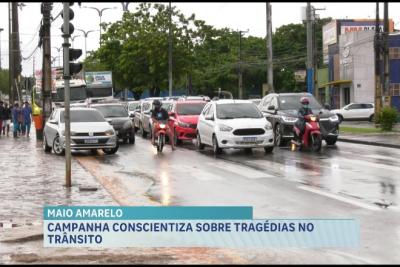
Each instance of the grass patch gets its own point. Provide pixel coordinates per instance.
(345, 129)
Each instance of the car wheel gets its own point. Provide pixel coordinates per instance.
(217, 150)
(46, 147)
(57, 147)
(177, 141)
(330, 141)
(268, 149)
(142, 131)
(278, 135)
(111, 151)
(132, 137)
(340, 118)
(371, 118)
(199, 145)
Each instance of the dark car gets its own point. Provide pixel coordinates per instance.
(282, 111)
(117, 115)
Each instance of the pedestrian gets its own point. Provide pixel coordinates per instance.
(6, 120)
(16, 116)
(2, 111)
(26, 119)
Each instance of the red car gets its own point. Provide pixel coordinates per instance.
(183, 119)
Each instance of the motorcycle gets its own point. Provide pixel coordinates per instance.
(161, 130)
(312, 135)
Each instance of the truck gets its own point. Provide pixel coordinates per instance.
(78, 94)
(99, 86)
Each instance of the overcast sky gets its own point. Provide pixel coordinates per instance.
(243, 16)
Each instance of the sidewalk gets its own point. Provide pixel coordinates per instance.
(390, 139)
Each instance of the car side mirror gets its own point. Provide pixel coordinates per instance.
(346, 108)
(53, 122)
(271, 108)
(210, 118)
(131, 115)
(171, 114)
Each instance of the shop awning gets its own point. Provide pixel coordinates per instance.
(337, 82)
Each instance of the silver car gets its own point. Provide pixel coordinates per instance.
(89, 131)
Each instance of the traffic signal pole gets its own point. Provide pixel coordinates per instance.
(66, 45)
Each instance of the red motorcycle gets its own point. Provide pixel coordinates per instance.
(159, 137)
(312, 135)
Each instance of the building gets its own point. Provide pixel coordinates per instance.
(349, 52)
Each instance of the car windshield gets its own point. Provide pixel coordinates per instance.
(112, 111)
(167, 106)
(99, 91)
(292, 102)
(238, 110)
(83, 116)
(190, 109)
(76, 93)
(133, 106)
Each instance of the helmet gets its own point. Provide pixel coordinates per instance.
(304, 101)
(157, 103)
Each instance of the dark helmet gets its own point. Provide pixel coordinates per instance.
(157, 103)
(304, 101)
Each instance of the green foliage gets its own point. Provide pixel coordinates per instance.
(387, 118)
(205, 58)
(4, 81)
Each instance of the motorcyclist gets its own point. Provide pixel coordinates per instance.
(159, 114)
(301, 122)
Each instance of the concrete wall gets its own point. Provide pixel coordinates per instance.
(356, 51)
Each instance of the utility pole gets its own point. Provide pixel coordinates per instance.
(10, 56)
(386, 77)
(270, 73)
(170, 51)
(240, 65)
(377, 50)
(16, 52)
(310, 52)
(1, 29)
(46, 66)
(66, 46)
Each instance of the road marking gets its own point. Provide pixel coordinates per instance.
(340, 198)
(240, 170)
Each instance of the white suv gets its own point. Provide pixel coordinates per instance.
(233, 124)
(356, 111)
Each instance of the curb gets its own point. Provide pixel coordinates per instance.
(371, 143)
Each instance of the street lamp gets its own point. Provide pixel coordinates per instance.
(58, 50)
(1, 29)
(85, 34)
(125, 6)
(72, 39)
(100, 12)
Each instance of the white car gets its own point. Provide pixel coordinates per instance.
(356, 111)
(233, 124)
(89, 131)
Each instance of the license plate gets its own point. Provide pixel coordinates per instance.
(91, 141)
(249, 139)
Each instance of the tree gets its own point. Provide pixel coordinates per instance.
(4, 84)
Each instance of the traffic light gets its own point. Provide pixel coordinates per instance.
(74, 54)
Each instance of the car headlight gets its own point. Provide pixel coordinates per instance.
(334, 118)
(109, 132)
(268, 126)
(184, 125)
(162, 126)
(225, 128)
(289, 119)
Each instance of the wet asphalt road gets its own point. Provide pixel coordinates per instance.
(343, 181)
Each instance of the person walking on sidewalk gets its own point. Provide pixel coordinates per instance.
(26, 119)
(16, 116)
(6, 120)
(2, 111)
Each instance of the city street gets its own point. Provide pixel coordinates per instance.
(344, 181)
